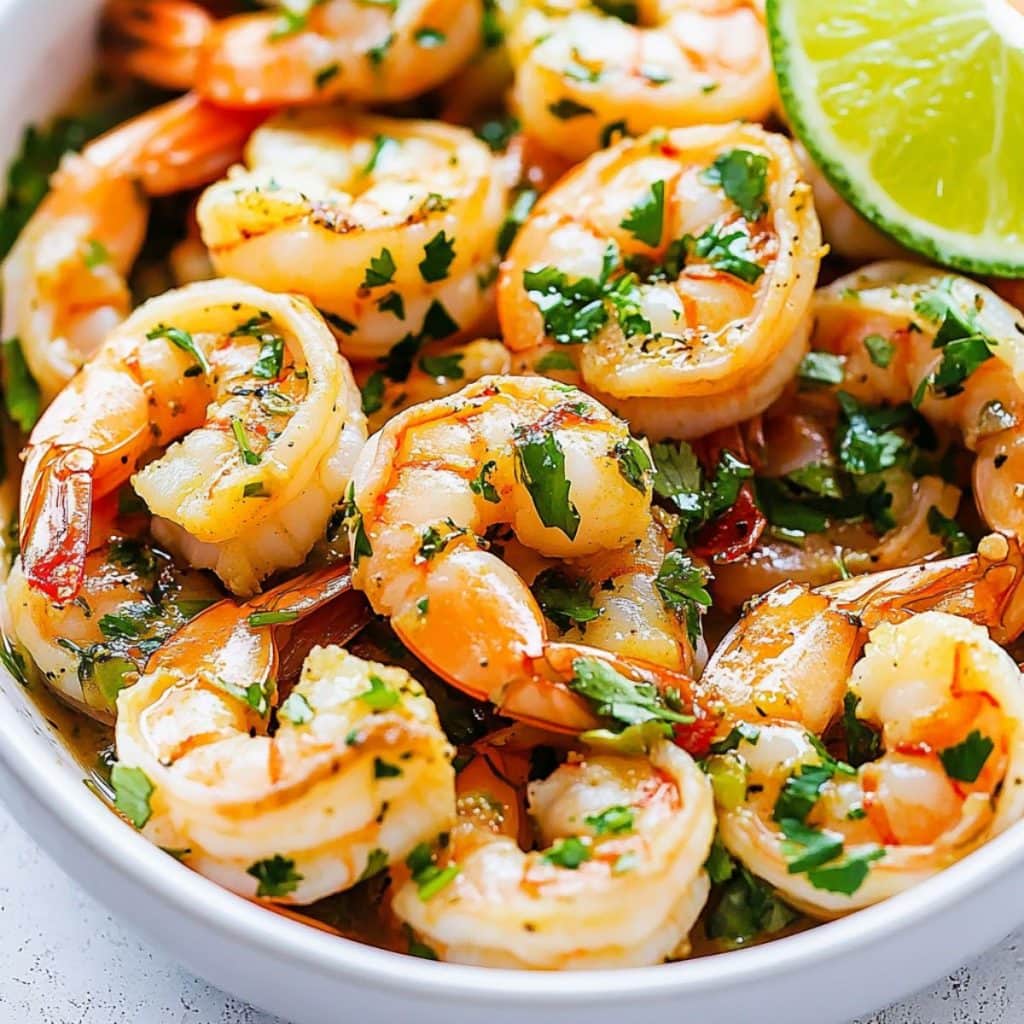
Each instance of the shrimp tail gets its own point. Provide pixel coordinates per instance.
(55, 524)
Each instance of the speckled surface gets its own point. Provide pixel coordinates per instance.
(66, 961)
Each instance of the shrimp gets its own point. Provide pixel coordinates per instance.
(308, 53)
(266, 414)
(908, 333)
(618, 880)
(581, 73)
(572, 484)
(935, 723)
(688, 279)
(388, 226)
(789, 656)
(64, 280)
(133, 597)
(356, 774)
(829, 515)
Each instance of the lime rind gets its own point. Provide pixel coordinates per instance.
(998, 247)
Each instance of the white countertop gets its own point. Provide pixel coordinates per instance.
(66, 961)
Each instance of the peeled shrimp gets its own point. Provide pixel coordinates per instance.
(976, 387)
(356, 774)
(619, 883)
(132, 598)
(388, 226)
(311, 52)
(947, 773)
(266, 414)
(582, 72)
(606, 277)
(64, 280)
(571, 483)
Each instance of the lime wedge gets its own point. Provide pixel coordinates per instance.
(914, 109)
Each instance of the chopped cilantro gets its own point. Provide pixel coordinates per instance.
(800, 792)
(554, 360)
(183, 340)
(729, 253)
(443, 367)
(750, 733)
(863, 744)
(845, 876)
(566, 109)
(681, 584)
(249, 457)
(566, 602)
(821, 368)
(622, 700)
(518, 211)
(743, 176)
(746, 908)
(385, 769)
(964, 761)
(21, 392)
(381, 270)
(540, 463)
(276, 876)
(481, 484)
(805, 847)
(865, 442)
(438, 254)
(948, 530)
(392, 303)
(880, 349)
(645, 220)
(373, 393)
(132, 790)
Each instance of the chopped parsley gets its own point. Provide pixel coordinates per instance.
(518, 211)
(373, 393)
(634, 463)
(443, 367)
(385, 769)
(821, 368)
(743, 176)
(352, 519)
(866, 442)
(880, 349)
(565, 109)
(737, 733)
(392, 303)
(863, 744)
(566, 602)
(540, 465)
(276, 876)
(747, 907)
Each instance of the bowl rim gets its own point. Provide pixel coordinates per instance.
(82, 813)
(95, 826)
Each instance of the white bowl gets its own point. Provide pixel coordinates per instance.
(832, 973)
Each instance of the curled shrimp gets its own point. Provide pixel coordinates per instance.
(935, 722)
(789, 656)
(356, 773)
(566, 476)
(581, 72)
(389, 226)
(64, 280)
(680, 300)
(953, 348)
(133, 597)
(361, 52)
(617, 879)
(267, 419)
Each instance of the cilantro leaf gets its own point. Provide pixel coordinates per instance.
(750, 733)
(566, 602)
(132, 790)
(566, 109)
(381, 270)
(438, 254)
(634, 463)
(481, 484)
(847, 875)
(743, 176)
(880, 349)
(276, 876)
(746, 908)
(863, 743)
(865, 444)
(183, 340)
(646, 217)
(821, 368)
(681, 584)
(373, 393)
(729, 253)
(964, 761)
(805, 847)
(540, 463)
(948, 530)
(518, 211)
(800, 792)
(444, 366)
(622, 700)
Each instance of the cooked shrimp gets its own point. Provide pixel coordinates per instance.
(572, 484)
(618, 881)
(687, 278)
(64, 280)
(581, 72)
(946, 705)
(389, 226)
(268, 420)
(955, 349)
(789, 656)
(356, 774)
(311, 52)
(133, 597)
(828, 520)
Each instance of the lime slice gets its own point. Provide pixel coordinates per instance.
(914, 109)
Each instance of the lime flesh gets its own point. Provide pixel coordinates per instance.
(914, 109)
